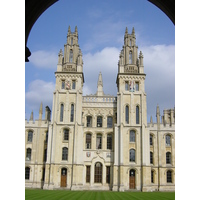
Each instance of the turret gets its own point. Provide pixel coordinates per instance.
(158, 114)
(40, 111)
(141, 66)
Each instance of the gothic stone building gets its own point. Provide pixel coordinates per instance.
(100, 142)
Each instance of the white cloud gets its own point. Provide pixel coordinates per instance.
(39, 91)
(44, 59)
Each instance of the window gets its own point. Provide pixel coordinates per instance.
(109, 141)
(27, 173)
(88, 141)
(45, 155)
(152, 176)
(126, 86)
(87, 174)
(72, 113)
(30, 136)
(130, 42)
(107, 174)
(66, 134)
(99, 121)
(43, 174)
(109, 122)
(168, 158)
(168, 140)
(71, 41)
(130, 57)
(46, 139)
(151, 157)
(28, 154)
(132, 155)
(137, 114)
(127, 115)
(132, 136)
(169, 177)
(61, 112)
(98, 173)
(64, 153)
(99, 141)
(73, 85)
(63, 85)
(71, 56)
(151, 140)
(136, 86)
(89, 121)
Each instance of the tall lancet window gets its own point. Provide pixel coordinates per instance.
(127, 115)
(72, 113)
(61, 112)
(71, 56)
(130, 57)
(137, 114)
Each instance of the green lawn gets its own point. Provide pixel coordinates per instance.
(93, 195)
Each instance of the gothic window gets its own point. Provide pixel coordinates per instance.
(98, 173)
(63, 84)
(130, 42)
(109, 141)
(28, 154)
(71, 56)
(64, 153)
(99, 121)
(43, 174)
(45, 155)
(89, 121)
(30, 136)
(66, 134)
(27, 173)
(130, 57)
(87, 174)
(168, 140)
(126, 86)
(152, 176)
(107, 174)
(169, 176)
(127, 115)
(88, 141)
(99, 141)
(46, 139)
(109, 122)
(61, 112)
(151, 157)
(132, 155)
(137, 114)
(151, 140)
(72, 113)
(168, 158)
(132, 136)
(136, 86)
(73, 85)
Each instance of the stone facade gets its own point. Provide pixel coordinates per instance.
(100, 142)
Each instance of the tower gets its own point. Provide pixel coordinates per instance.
(65, 135)
(131, 114)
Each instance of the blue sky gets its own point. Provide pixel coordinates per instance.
(101, 27)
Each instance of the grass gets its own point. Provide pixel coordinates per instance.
(94, 195)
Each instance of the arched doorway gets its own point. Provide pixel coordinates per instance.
(63, 181)
(132, 179)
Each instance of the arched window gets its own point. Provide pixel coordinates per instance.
(28, 154)
(88, 141)
(64, 153)
(109, 122)
(46, 139)
(71, 56)
(27, 173)
(30, 136)
(169, 176)
(98, 173)
(137, 114)
(151, 157)
(61, 112)
(132, 136)
(151, 140)
(132, 155)
(72, 113)
(168, 140)
(109, 141)
(152, 176)
(99, 141)
(130, 57)
(89, 121)
(168, 158)
(99, 121)
(127, 115)
(66, 134)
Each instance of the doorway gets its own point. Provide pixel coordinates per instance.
(63, 177)
(132, 179)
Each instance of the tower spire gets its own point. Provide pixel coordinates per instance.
(100, 86)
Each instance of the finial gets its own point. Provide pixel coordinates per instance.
(41, 108)
(31, 117)
(126, 32)
(157, 110)
(133, 31)
(76, 30)
(151, 120)
(69, 29)
(140, 55)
